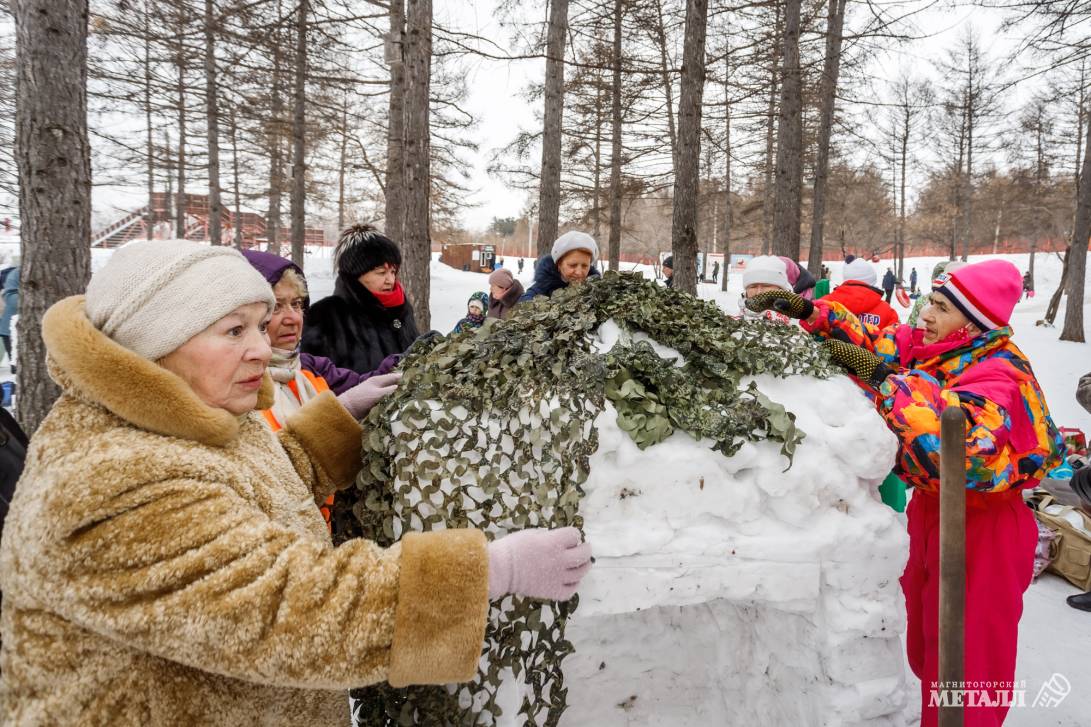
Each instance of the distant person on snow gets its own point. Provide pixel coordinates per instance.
(962, 357)
(9, 291)
(668, 271)
(1028, 285)
(761, 275)
(859, 294)
(890, 282)
(368, 316)
(571, 262)
(715, 271)
(913, 280)
(476, 307)
(521, 266)
(504, 294)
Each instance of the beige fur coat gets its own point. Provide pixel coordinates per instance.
(165, 563)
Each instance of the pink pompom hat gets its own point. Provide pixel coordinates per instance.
(985, 292)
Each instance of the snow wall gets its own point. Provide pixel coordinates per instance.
(734, 591)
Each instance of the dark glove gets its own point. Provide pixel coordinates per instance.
(860, 361)
(781, 301)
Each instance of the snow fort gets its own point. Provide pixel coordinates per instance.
(745, 573)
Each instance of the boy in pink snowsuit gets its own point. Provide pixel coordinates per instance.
(963, 356)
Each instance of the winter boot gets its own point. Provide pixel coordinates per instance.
(1081, 601)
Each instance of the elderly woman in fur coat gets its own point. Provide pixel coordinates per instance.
(164, 561)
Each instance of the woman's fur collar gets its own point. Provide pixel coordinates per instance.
(89, 365)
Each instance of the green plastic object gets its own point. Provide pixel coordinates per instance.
(893, 492)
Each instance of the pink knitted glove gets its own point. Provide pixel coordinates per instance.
(360, 398)
(538, 563)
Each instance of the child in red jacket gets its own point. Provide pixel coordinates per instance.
(963, 356)
(860, 296)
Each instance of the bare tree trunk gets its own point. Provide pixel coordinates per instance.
(236, 216)
(901, 192)
(549, 190)
(54, 162)
(729, 207)
(768, 200)
(276, 159)
(180, 202)
(213, 121)
(299, 165)
(789, 194)
(1055, 301)
(614, 248)
(831, 71)
(344, 161)
(395, 135)
(668, 87)
(596, 203)
(149, 221)
(684, 222)
(1077, 254)
(417, 244)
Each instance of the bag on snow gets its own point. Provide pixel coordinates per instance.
(1073, 554)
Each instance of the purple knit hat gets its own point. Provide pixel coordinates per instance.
(271, 266)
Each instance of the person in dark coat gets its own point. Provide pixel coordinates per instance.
(571, 262)
(889, 283)
(504, 293)
(668, 271)
(913, 280)
(368, 316)
(715, 271)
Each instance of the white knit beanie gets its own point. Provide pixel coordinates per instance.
(154, 295)
(859, 269)
(573, 240)
(768, 270)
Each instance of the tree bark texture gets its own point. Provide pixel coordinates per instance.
(299, 166)
(417, 243)
(180, 199)
(395, 136)
(770, 149)
(1077, 253)
(789, 181)
(275, 136)
(54, 162)
(149, 220)
(549, 189)
(343, 164)
(729, 207)
(236, 217)
(684, 221)
(212, 113)
(614, 247)
(830, 73)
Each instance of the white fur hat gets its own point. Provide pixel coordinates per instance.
(860, 269)
(154, 295)
(766, 269)
(573, 240)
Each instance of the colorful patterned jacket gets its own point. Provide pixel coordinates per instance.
(1011, 441)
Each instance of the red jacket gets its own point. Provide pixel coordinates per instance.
(865, 302)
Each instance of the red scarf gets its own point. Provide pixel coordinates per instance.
(392, 299)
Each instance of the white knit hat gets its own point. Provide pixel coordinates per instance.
(154, 295)
(573, 240)
(768, 270)
(859, 269)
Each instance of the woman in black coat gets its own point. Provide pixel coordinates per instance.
(368, 316)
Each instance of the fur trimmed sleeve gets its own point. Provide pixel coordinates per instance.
(191, 572)
(323, 441)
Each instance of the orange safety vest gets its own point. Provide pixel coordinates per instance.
(319, 385)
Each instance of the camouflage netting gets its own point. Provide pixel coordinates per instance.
(494, 429)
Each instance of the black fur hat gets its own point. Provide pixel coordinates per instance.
(362, 248)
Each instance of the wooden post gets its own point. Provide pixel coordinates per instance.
(952, 557)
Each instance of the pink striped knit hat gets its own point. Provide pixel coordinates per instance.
(985, 292)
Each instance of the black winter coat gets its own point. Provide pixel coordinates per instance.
(352, 329)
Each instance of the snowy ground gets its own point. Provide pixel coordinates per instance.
(1053, 636)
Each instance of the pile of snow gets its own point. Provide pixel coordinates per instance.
(730, 590)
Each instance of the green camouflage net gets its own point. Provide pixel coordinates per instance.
(494, 429)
